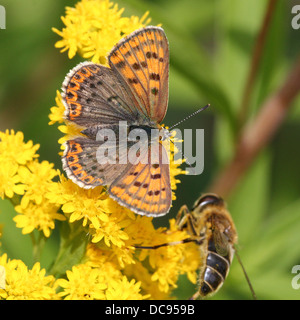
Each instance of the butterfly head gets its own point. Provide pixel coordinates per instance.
(165, 134)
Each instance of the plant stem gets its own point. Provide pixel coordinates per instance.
(38, 246)
(256, 58)
(257, 135)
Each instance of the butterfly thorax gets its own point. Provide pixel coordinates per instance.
(145, 128)
(154, 131)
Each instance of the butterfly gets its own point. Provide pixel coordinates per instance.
(134, 88)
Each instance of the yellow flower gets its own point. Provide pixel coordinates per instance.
(118, 257)
(14, 150)
(2, 277)
(14, 154)
(57, 112)
(40, 217)
(111, 231)
(36, 212)
(93, 27)
(83, 283)
(104, 259)
(175, 169)
(36, 176)
(118, 285)
(24, 284)
(142, 231)
(141, 273)
(79, 203)
(124, 289)
(9, 181)
(105, 218)
(71, 131)
(99, 278)
(169, 262)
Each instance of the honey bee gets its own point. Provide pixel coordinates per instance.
(210, 225)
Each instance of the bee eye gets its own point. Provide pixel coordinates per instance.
(207, 199)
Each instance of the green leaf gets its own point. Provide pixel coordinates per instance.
(248, 204)
(237, 25)
(279, 238)
(72, 248)
(270, 256)
(272, 69)
(13, 242)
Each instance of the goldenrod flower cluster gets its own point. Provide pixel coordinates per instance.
(24, 284)
(93, 27)
(21, 174)
(97, 258)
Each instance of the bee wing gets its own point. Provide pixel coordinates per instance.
(221, 243)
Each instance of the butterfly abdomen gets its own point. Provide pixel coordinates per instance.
(214, 270)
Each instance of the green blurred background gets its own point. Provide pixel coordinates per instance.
(211, 44)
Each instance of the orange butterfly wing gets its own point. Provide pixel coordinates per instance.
(142, 61)
(145, 188)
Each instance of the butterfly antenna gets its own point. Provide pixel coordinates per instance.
(246, 275)
(176, 124)
(191, 115)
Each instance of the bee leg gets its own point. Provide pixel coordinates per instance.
(195, 296)
(181, 215)
(185, 220)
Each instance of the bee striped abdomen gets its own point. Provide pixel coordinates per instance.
(214, 271)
